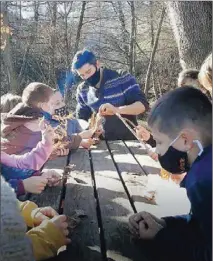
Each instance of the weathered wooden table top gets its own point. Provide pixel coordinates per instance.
(106, 185)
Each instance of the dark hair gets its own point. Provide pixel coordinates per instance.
(82, 57)
(35, 93)
(180, 108)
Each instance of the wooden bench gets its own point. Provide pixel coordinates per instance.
(106, 187)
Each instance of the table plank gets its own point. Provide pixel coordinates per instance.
(51, 195)
(168, 194)
(115, 208)
(149, 165)
(80, 195)
(136, 181)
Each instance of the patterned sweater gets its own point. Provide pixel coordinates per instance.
(117, 88)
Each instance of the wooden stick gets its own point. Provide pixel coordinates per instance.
(131, 130)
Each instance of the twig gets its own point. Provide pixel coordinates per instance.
(131, 130)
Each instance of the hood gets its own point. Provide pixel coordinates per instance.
(17, 117)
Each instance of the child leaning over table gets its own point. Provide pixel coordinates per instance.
(23, 171)
(20, 127)
(48, 231)
(184, 144)
(73, 125)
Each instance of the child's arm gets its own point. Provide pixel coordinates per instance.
(46, 240)
(48, 237)
(26, 209)
(191, 233)
(34, 159)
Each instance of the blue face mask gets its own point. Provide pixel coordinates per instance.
(176, 161)
(49, 119)
(95, 78)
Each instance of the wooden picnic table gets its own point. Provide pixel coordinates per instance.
(104, 189)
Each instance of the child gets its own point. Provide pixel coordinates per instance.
(189, 77)
(23, 171)
(49, 230)
(205, 74)
(8, 102)
(181, 123)
(73, 125)
(20, 128)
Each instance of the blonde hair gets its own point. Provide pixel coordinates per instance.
(36, 93)
(205, 74)
(9, 101)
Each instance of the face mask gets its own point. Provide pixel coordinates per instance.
(62, 111)
(95, 78)
(175, 161)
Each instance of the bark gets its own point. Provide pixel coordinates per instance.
(192, 26)
(132, 38)
(7, 54)
(151, 62)
(80, 24)
(125, 34)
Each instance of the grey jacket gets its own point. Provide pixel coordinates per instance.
(14, 244)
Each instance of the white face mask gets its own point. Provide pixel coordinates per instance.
(197, 142)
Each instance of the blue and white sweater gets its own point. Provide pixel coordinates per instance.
(116, 88)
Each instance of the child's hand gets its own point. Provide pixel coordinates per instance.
(153, 154)
(47, 132)
(87, 134)
(150, 226)
(52, 176)
(86, 144)
(61, 223)
(134, 222)
(142, 133)
(35, 184)
(41, 214)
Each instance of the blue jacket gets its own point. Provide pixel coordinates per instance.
(14, 177)
(189, 237)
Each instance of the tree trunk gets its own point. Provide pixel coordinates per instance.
(32, 39)
(80, 24)
(7, 53)
(132, 38)
(149, 71)
(67, 46)
(125, 34)
(152, 44)
(192, 26)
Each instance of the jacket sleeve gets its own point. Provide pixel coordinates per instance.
(34, 159)
(15, 245)
(46, 240)
(82, 110)
(26, 208)
(195, 241)
(132, 91)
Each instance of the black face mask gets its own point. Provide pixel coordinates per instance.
(174, 161)
(95, 78)
(62, 111)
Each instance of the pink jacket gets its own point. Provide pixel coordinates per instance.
(34, 159)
